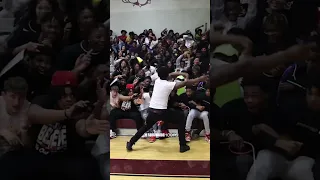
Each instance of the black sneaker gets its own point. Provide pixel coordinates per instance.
(184, 148)
(129, 146)
(195, 135)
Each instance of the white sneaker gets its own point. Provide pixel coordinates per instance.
(112, 134)
(144, 136)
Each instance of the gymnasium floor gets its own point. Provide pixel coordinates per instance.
(159, 160)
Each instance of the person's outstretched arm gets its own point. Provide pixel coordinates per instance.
(248, 65)
(176, 74)
(190, 82)
(255, 65)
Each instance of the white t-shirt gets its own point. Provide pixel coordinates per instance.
(154, 77)
(150, 71)
(161, 93)
(146, 98)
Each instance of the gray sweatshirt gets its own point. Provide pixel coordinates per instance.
(102, 145)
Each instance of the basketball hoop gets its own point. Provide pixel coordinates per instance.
(137, 3)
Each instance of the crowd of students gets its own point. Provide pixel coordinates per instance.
(272, 130)
(54, 83)
(135, 58)
(55, 80)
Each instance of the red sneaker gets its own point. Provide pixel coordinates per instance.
(207, 138)
(152, 139)
(165, 134)
(188, 136)
(160, 123)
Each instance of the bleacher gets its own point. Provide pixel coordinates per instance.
(127, 127)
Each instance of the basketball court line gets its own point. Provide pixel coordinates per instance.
(158, 175)
(121, 177)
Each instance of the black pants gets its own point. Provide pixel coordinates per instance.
(116, 114)
(170, 115)
(33, 165)
(316, 170)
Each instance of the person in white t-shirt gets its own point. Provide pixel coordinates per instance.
(146, 97)
(158, 109)
(149, 70)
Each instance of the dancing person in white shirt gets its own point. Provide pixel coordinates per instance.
(158, 109)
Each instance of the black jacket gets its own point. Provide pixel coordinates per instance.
(183, 98)
(303, 125)
(235, 116)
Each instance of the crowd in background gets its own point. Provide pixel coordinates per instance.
(54, 81)
(272, 130)
(135, 58)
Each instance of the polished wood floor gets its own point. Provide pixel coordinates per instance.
(161, 158)
(167, 149)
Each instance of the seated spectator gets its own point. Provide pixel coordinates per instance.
(40, 69)
(49, 36)
(200, 109)
(241, 116)
(71, 124)
(37, 69)
(296, 147)
(29, 28)
(124, 107)
(80, 23)
(89, 53)
(14, 124)
(87, 88)
(186, 100)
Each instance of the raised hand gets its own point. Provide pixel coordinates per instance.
(47, 42)
(291, 147)
(83, 61)
(204, 78)
(301, 52)
(11, 137)
(235, 141)
(102, 91)
(95, 126)
(78, 105)
(68, 27)
(33, 47)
